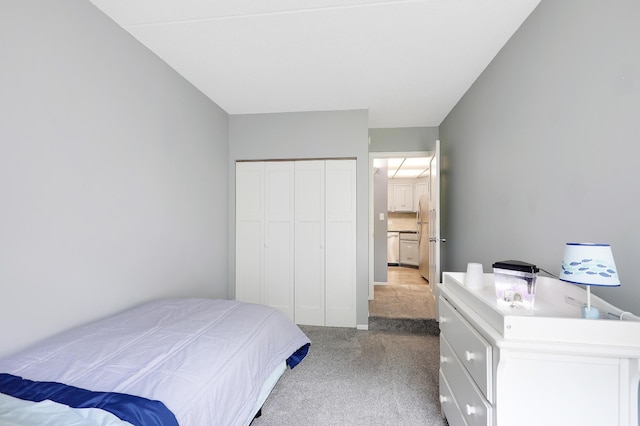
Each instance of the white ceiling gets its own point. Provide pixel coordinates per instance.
(404, 167)
(415, 167)
(407, 61)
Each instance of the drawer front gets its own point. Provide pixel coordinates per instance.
(409, 252)
(472, 349)
(408, 236)
(475, 409)
(449, 407)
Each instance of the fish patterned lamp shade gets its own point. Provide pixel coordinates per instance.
(589, 264)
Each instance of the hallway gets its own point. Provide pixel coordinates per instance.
(405, 296)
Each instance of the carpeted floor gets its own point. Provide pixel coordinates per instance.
(355, 377)
(403, 304)
(402, 301)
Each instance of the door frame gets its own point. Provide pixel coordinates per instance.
(372, 156)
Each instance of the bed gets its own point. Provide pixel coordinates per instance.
(174, 361)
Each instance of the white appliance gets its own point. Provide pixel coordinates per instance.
(393, 248)
(409, 254)
(423, 235)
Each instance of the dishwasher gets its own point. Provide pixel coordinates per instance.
(393, 248)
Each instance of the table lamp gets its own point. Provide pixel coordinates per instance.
(589, 264)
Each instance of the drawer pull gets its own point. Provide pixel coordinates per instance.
(443, 319)
(471, 410)
(443, 359)
(443, 399)
(469, 356)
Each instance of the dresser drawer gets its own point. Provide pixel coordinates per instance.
(448, 405)
(473, 406)
(472, 349)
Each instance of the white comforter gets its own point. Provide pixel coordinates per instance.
(204, 359)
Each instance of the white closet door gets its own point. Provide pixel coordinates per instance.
(309, 242)
(278, 287)
(249, 231)
(340, 247)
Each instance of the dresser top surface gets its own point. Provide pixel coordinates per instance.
(556, 315)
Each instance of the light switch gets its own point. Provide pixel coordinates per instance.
(381, 216)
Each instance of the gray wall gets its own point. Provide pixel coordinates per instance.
(306, 135)
(380, 206)
(543, 149)
(112, 173)
(403, 139)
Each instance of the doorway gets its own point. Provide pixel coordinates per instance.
(397, 288)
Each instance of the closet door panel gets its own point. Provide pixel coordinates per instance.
(309, 242)
(249, 231)
(340, 252)
(279, 237)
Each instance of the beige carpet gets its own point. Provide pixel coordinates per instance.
(412, 301)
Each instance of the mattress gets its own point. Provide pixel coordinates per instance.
(206, 360)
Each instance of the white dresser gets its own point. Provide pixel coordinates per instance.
(547, 366)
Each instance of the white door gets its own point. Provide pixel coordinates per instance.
(279, 236)
(340, 253)
(309, 243)
(249, 231)
(434, 223)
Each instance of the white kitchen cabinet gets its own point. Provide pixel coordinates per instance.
(401, 195)
(404, 194)
(409, 254)
(295, 238)
(546, 366)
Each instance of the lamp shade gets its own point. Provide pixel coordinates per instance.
(589, 264)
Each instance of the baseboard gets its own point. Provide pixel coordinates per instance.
(362, 327)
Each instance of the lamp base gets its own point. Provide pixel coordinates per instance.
(590, 312)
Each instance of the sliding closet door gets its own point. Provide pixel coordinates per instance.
(278, 291)
(249, 231)
(309, 242)
(340, 243)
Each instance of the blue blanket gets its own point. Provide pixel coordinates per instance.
(298, 356)
(133, 409)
